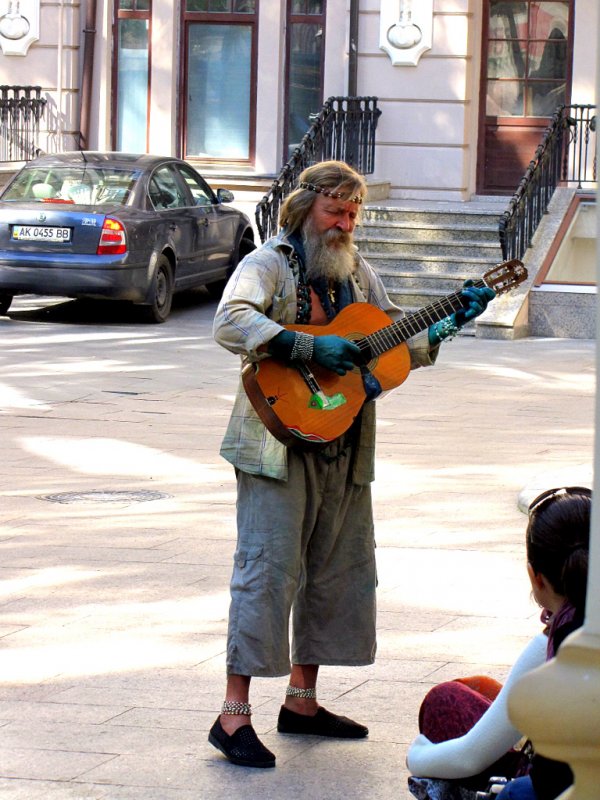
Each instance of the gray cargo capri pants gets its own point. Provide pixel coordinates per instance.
(308, 544)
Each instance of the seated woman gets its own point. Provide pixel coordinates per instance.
(466, 735)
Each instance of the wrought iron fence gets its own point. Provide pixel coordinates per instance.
(21, 109)
(566, 156)
(344, 130)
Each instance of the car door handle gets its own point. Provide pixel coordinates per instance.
(203, 222)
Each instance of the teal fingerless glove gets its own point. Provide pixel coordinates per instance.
(333, 352)
(475, 301)
(444, 329)
(281, 346)
(292, 346)
(336, 353)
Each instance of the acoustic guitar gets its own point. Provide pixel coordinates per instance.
(305, 404)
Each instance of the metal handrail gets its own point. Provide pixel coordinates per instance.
(21, 109)
(566, 156)
(343, 130)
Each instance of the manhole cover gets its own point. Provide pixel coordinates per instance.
(107, 496)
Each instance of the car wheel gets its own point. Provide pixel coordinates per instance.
(245, 246)
(162, 292)
(5, 301)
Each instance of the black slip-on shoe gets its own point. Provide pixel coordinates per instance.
(243, 747)
(323, 723)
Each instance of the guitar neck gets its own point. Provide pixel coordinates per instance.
(398, 332)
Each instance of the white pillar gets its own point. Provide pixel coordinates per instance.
(558, 705)
(163, 81)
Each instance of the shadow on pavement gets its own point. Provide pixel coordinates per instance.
(37, 308)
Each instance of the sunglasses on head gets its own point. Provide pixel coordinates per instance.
(551, 494)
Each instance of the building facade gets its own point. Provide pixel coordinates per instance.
(466, 87)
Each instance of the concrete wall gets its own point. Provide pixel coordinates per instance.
(52, 62)
(575, 260)
(425, 138)
(427, 134)
(563, 314)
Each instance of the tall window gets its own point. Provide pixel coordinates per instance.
(527, 65)
(132, 75)
(220, 80)
(305, 48)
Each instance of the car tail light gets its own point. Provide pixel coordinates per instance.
(113, 241)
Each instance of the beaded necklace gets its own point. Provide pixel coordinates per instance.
(303, 300)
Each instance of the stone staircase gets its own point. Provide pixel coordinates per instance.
(426, 250)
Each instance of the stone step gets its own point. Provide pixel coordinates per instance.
(429, 232)
(425, 251)
(472, 266)
(404, 248)
(412, 216)
(7, 172)
(439, 282)
(419, 297)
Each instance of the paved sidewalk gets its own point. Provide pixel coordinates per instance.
(117, 532)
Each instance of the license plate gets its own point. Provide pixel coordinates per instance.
(41, 233)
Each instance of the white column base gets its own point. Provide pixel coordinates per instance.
(558, 707)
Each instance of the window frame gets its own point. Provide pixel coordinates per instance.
(527, 81)
(293, 18)
(187, 19)
(119, 14)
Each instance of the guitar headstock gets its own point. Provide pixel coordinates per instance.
(505, 276)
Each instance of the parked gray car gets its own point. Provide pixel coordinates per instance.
(117, 226)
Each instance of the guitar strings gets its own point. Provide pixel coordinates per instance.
(382, 340)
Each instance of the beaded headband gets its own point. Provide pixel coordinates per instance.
(328, 193)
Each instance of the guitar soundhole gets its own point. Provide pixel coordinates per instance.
(367, 358)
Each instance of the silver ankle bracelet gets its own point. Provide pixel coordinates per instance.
(234, 707)
(296, 691)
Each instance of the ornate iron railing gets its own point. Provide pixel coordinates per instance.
(566, 156)
(21, 109)
(344, 130)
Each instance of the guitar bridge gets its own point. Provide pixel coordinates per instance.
(318, 399)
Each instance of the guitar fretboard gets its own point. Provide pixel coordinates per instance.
(392, 335)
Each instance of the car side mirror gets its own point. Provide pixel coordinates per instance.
(224, 196)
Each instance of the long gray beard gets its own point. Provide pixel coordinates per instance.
(329, 255)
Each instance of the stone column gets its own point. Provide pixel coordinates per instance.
(558, 705)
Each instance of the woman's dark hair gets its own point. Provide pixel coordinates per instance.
(557, 540)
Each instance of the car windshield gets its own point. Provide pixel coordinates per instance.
(85, 185)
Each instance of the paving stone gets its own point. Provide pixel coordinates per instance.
(114, 614)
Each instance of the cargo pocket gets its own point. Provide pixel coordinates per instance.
(249, 565)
